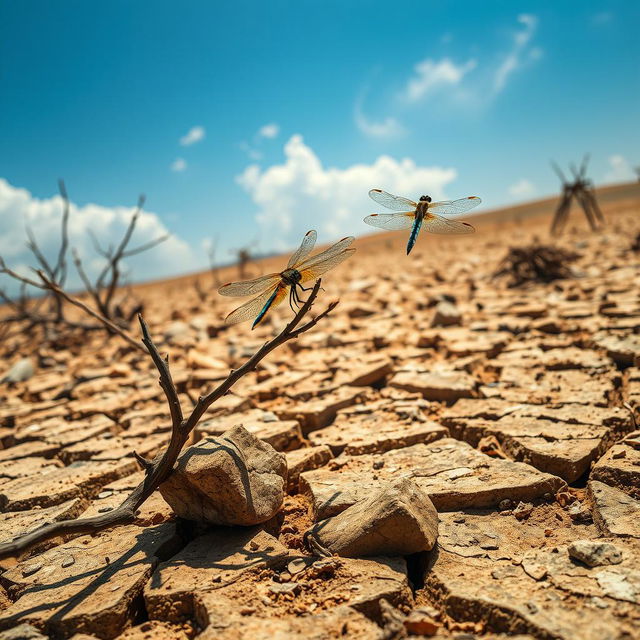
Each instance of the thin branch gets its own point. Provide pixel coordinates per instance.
(146, 247)
(158, 470)
(60, 271)
(52, 286)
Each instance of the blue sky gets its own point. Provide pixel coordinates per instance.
(244, 120)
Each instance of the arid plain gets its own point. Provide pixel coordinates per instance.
(513, 408)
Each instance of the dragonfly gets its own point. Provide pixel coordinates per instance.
(416, 214)
(270, 290)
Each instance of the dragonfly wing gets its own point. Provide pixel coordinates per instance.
(451, 207)
(308, 242)
(249, 287)
(333, 250)
(256, 306)
(391, 221)
(314, 271)
(438, 224)
(388, 200)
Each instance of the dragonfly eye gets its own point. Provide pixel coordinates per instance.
(428, 198)
(424, 198)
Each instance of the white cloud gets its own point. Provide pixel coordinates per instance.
(179, 164)
(431, 75)
(195, 134)
(522, 189)
(301, 193)
(519, 52)
(620, 169)
(387, 128)
(270, 130)
(19, 208)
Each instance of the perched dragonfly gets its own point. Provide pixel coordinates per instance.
(272, 289)
(415, 214)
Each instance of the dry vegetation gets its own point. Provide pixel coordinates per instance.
(511, 407)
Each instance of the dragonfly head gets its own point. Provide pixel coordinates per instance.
(425, 198)
(291, 276)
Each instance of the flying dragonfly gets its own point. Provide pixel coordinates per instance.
(415, 214)
(272, 289)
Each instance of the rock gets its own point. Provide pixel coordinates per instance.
(595, 553)
(453, 474)
(446, 314)
(422, 622)
(580, 513)
(234, 479)
(398, 519)
(522, 511)
(21, 371)
(614, 512)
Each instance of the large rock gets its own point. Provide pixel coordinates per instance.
(399, 519)
(233, 479)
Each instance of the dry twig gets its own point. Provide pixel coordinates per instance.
(535, 263)
(159, 469)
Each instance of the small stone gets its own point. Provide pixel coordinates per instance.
(421, 622)
(595, 553)
(20, 372)
(297, 565)
(579, 513)
(522, 511)
(30, 569)
(68, 561)
(233, 479)
(284, 588)
(398, 519)
(504, 505)
(446, 315)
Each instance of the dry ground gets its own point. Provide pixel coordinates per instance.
(514, 413)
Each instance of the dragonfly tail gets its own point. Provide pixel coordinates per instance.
(264, 309)
(414, 234)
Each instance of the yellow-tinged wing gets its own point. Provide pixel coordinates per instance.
(438, 224)
(249, 287)
(258, 306)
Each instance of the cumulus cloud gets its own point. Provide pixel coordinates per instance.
(619, 169)
(387, 128)
(179, 164)
(19, 208)
(301, 194)
(195, 134)
(270, 130)
(522, 189)
(431, 75)
(520, 51)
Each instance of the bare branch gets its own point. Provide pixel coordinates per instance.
(158, 470)
(52, 286)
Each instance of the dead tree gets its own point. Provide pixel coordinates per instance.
(244, 257)
(582, 191)
(47, 312)
(102, 291)
(159, 469)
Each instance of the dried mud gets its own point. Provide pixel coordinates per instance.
(506, 404)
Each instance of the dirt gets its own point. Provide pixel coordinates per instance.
(505, 404)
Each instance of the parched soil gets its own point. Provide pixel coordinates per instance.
(511, 406)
